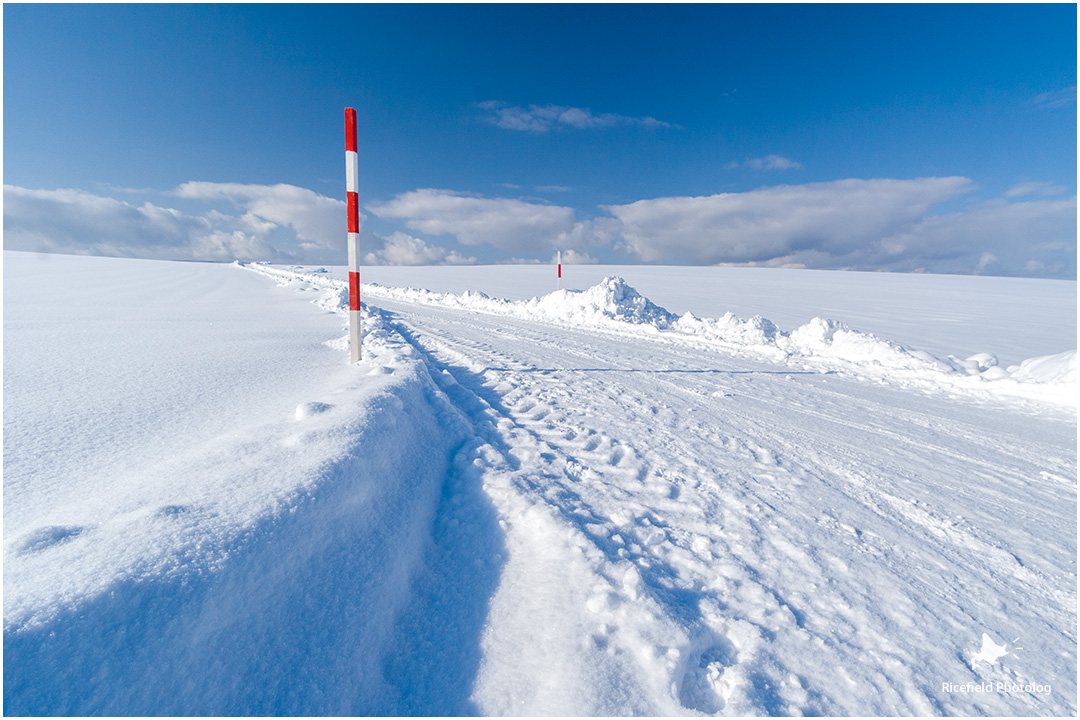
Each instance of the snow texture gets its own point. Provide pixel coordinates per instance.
(821, 343)
(579, 504)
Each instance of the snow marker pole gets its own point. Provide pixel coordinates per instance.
(558, 260)
(352, 187)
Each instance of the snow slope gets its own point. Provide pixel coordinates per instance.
(581, 505)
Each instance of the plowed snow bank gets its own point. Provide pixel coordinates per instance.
(821, 344)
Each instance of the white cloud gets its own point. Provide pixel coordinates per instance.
(542, 118)
(857, 224)
(520, 261)
(78, 222)
(835, 218)
(573, 257)
(589, 233)
(403, 249)
(277, 222)
(513, 225)
(1066, 97)
(1011, 238)
(769, 162)
(986, 260)
(1035, 188)
(318, 221)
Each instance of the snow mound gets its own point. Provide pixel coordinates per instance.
(611, 299)
(1057, 369)
(755, 331)
(830, 339)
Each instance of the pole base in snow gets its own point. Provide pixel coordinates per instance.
(354, 337)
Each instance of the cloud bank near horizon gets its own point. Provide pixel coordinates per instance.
(78, 222)
(859, 225)
(878, 224)
(783, 223)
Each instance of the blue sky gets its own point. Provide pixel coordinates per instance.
(904, 137)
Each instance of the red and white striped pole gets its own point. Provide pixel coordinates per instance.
(558, 261)
(352, 187)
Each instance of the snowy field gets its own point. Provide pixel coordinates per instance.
(634, 497)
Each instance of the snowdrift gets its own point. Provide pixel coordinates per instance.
(821, 344)
(263, 572)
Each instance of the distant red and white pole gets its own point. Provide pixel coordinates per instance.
(352, 187)
(558, 261)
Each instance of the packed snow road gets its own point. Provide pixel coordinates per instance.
(691, 531)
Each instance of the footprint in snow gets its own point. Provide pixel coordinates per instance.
(47, 537)
(704, 687)
(308, 409)
(763, 456)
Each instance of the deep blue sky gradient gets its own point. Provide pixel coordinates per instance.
(151, 96)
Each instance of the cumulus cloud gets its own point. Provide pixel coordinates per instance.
(507, 224)
(573, 257)
(858, 224)
(999, 237)
(769, 162)
(78, 222)
(542, 118)
(834, 218)
(592, 233)
(274, 222)
(403, 249)
(284, 223)
(316, 219)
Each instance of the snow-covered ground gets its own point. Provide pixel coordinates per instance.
(1013, 318)
(591, 503)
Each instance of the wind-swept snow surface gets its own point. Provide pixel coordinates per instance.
(581, 504)
(205, 510)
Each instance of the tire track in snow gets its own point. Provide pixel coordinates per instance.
(541, 652)
(699, 661)
(724, 506)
